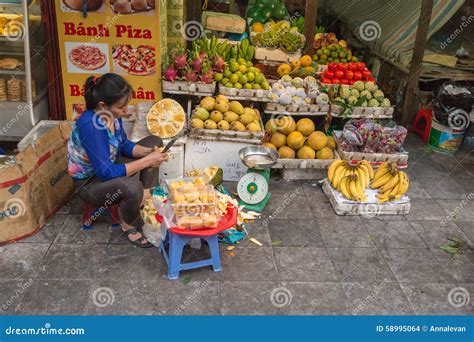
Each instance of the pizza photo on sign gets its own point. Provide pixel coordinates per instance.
(138, 61)
(132, 6)
(76, 5)
(86, 58)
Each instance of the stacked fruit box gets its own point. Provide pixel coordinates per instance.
(354, 188)
(188, 88)
(401, 157)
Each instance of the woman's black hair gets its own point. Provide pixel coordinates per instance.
(109, 88)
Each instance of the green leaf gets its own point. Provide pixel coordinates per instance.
(276, 242)
(186, 280)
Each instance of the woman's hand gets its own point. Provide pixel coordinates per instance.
(155, 158)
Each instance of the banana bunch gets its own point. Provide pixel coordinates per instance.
(225, 50)
(390, 182)
(351, 180)
(245, 50)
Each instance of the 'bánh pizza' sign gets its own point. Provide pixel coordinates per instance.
(120, 36)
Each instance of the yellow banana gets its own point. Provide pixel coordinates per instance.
(365, 170)
(363, 176)
(390, 184)
(338, 176)
(369, 168)
(344, 188)
(354, 189)
(383, 169)
(332, 168)
(404, 183)
(395, 189)
(361, 190)
(377, 183)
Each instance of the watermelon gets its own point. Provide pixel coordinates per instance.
(280, 12)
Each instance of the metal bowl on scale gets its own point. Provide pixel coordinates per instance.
(258, 157)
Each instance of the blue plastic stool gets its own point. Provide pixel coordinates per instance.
(176, 243)
(90, 213)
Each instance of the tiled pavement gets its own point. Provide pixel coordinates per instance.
(312, 261)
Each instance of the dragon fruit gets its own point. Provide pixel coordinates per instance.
(189, 75)
(208, 75)
(219, 63)
(170, 74)
(180, 61)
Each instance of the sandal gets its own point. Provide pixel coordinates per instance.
(138, 242)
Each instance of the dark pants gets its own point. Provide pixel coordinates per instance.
(126, 191)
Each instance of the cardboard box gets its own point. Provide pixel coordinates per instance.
(223, 22)
(36, 186)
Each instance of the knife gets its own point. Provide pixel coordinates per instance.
(169, 144)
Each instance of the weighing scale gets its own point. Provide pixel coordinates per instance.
(252, 188)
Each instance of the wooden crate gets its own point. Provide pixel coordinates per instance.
(375, 159)
(291, 109)
(304, 168)
(363, 112)
(343, 206)
(245, 94)
(274, 55)
(186, 88)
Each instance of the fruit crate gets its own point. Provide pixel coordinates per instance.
(227, 135)
(291, 109)
(245, 94)
(292, 169)
(186, 88)
(363, 112)
(274, 55)
(401, 158)
(344, 206)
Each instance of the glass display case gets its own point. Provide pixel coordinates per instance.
(23, 77)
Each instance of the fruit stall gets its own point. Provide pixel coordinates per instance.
(315, 103)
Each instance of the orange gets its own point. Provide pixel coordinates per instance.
(258, 27)
(284, 69)
(306, 61)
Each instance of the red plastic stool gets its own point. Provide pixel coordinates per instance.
(90, 213)
(422, 123)
(176, 238)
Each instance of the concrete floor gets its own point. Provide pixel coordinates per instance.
(312, 261)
